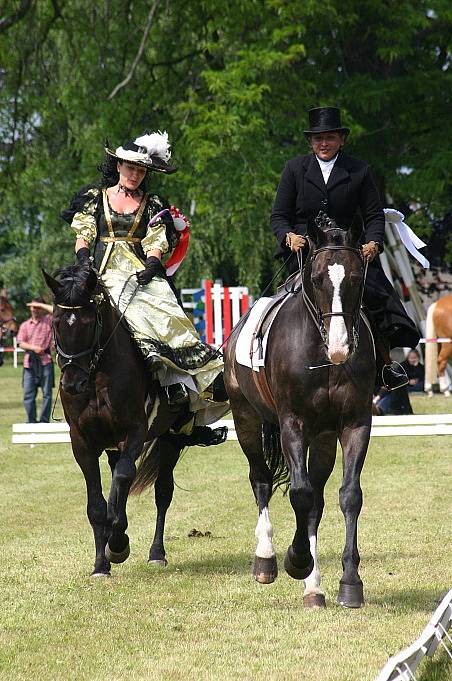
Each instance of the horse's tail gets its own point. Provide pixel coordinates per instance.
(274, 457)
(148, 467)
(431, 350)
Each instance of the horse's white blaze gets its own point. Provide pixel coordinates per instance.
(337, 337)
(312, 583)
(264, 534)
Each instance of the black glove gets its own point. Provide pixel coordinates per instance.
(82, 255)
(154, 268)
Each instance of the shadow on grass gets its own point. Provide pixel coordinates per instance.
(218, 564)
(406, 600)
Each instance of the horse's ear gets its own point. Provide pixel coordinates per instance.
(52, 283)
(317, 227)
(91, 281)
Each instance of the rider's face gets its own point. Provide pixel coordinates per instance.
(325, 145)
(130, 175)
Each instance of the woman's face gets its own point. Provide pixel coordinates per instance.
(325, 145)
(130, 175)
(413, 358)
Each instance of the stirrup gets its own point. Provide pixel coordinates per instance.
(177, 394)
(394, 376)
(154, 363)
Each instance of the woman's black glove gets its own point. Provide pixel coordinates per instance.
(82, 255)
(154, 268)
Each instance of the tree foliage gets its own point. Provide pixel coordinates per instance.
(231, 82)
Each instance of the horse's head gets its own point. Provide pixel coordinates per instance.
(8, 324)
(337, 272)
(77, 324)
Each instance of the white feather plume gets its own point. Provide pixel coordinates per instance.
(155, 144)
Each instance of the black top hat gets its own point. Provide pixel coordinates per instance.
(325, 119)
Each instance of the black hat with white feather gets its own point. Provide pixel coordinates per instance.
(151, 151)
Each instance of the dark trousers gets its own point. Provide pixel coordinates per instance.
(31, 383)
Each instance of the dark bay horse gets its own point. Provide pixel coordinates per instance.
(107, 397)
(316, 389)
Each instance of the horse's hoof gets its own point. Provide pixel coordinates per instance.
(265, 570)
(161, 562)
(100, 574)
(297, 571)
(117, 556)
(314, 601)
(351, 595)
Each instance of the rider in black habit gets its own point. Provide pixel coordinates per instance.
(329, 181)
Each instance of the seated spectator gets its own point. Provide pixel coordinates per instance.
(392, 402)
(415, 372)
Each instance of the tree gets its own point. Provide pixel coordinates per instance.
(231, 82)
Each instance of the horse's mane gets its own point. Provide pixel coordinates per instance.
(77, 284)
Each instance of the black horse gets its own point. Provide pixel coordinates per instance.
(108, 401)
(316, 389)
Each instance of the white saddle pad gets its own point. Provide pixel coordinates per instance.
(243, 354)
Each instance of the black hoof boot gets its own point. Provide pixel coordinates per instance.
(177, 395)
(118, 556)
(265, 570)
(351, 595)
(294, 566)
(394, 376)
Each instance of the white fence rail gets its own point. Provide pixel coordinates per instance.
(382, 426)
(401, 667)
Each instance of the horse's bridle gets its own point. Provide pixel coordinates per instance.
(94, 350)
(318, 316)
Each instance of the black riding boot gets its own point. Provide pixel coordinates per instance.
(393, 375)
(219, 393)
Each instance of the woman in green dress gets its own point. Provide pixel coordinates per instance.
(130, 233)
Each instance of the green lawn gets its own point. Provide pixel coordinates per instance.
(203, 617)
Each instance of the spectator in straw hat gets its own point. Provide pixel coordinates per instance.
(35, 337)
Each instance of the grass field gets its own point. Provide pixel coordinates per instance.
(203, 617)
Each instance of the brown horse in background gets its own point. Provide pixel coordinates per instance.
(8, 324)
(439, 325)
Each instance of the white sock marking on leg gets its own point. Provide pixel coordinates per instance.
(312, 583)
(264, 534)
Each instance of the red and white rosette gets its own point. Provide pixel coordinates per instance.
(182, 225)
